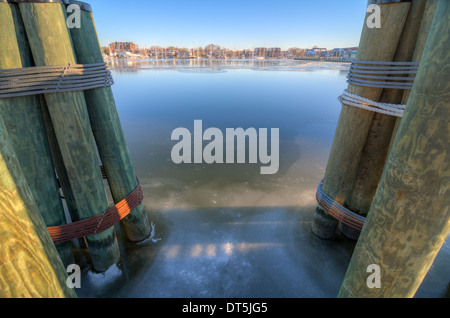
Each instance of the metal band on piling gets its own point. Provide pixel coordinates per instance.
(379, 74)
(107, 130)
(337, 211)
(53, 79)
(370, 74)
(51, 45)
(354, 124)
(98, 223)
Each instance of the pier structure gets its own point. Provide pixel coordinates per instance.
(386, 181)
(385, 186)
(61, 138)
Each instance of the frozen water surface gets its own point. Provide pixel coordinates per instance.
(225, 230)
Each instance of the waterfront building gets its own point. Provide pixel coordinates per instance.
(123, 46)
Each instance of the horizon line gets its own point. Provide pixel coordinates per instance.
(224, 47)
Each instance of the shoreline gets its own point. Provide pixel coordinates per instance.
(119, 64)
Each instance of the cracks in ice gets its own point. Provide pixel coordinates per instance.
(152, 234)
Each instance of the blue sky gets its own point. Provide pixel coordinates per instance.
(232, 24)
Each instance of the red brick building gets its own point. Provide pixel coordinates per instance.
(122, 46)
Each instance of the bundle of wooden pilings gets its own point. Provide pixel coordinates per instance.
(395, 172)
(64, 132)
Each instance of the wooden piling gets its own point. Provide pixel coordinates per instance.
(61, 171)
(425, 25)
(29, 263)
(373, 156)
(23, 120)
(107, 130)
(376, 44)
(409, 219)
(50, 44)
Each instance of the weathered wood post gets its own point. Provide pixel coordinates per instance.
(50, 44)
(107, 129)
(409, 219)
(376, 44)
(373, 156)
(427, 19)
(61, 171)
(29, 263)
(23, 120)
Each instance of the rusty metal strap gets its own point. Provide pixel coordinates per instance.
(98, 223)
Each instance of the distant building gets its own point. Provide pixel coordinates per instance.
(348, 53)
(123, 46)
(183, 55)
(274, 52)
(260, 52)
(320, 51)
(217, 53)
(172, 53)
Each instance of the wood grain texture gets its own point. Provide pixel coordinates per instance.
(108, 132)
(60, 168)
(427, 19)
(29, 263)
(23, 120)
(354, 123)
(50, 44)
(376, 147)
(409, 219)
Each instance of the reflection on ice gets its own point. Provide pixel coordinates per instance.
(228, 248)
(196, 250)
(171, 251)
(225, 230)
(200, 70)
(107, 277)
(258, 223)
(221, 65)
(210, 250)
(213, 250)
